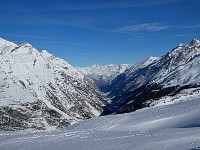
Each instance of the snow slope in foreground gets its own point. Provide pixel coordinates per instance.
(170, 127)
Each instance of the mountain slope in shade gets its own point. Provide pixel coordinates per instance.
(103, 75)
(167, 76)
(121, 84)
(129, 75)
(41, 91)
(171, 127)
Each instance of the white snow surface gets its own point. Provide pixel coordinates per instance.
(170, 127)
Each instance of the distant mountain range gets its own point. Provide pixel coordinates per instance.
(40, 91)
(103, 75)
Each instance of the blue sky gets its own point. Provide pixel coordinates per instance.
(86, 32)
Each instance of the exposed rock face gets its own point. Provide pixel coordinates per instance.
(41, 91)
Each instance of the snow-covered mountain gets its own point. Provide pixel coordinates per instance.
(140, 86)
(103, 75)
(171, 127)
(40, 91)
(170, 85)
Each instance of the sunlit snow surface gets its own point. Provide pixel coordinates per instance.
(170, 127)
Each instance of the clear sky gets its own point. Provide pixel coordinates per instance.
(86, 32)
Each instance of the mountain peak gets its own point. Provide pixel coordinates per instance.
(185, 49)
(26, 44)
(153, 58)
(150, 60)
(96, 66)
(46, 53)
(181, 44)
(3, 40)
(4, 43)
(195, 42)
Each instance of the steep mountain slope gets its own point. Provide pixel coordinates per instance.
(41, 91)
(171, 127)
(103, 75)
(126, 81)
(174, 72)
(129, 75)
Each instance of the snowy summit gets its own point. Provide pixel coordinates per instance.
(41, 91)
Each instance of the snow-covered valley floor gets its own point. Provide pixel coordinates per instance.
(169, 127)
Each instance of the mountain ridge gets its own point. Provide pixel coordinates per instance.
(41, 91)
(137, 86)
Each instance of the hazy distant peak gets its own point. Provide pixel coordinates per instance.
(103, 75)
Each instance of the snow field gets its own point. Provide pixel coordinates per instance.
(169, 127)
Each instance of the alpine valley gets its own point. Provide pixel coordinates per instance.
(151, 105)
(40, 91)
